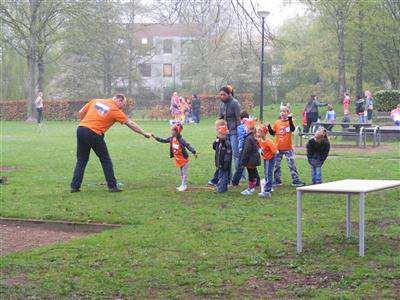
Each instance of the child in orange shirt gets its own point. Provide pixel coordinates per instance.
(282, 130)
(268, 151)
(177, 146)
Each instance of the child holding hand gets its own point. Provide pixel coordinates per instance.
(178, 146)
(268, 151)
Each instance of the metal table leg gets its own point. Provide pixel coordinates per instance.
(361, 224)
(299, 246)
(348, 216)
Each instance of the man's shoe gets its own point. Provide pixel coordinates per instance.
(114, 190)
(298, 183)
(75, 190)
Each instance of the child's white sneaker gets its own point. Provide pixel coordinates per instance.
(182, 188)
(264, 195)
(248, 191)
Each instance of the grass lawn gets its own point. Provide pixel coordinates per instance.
(196, 243)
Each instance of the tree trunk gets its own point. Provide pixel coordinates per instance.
(360, 56)
(31, 84)
(40, 66)
(341, 60)
(107, 76)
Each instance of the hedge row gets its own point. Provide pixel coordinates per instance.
(53, 110)
(386, 100)
(67, 109)
(209, 106)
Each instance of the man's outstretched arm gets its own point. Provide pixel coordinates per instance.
(136, 128)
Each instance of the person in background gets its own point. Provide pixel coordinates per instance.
(196, 108)
(395, 115)
(250, 157)
(241, 132)
(229, 110)
(346, 102)
(330, 117)
(175, 107)
(97, 116)
(369, 105)
(360, 110)
(177, 149)
(317, 151)
(283, 130)
(267, 151)
(39, 107)
(304, 120)
(312, 111)
(223, 158)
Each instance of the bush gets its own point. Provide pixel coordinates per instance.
(57, 110)
(386, 100)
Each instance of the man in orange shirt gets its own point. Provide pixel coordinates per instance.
(97, 116)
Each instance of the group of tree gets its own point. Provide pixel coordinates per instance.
(82, 49)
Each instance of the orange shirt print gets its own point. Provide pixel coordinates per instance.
(178, 153)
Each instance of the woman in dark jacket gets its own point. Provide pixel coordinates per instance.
(250, 157)
(317, 151)
(311, 111)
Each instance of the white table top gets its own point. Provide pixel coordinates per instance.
(351, 186)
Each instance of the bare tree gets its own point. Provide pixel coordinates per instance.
(29, 27)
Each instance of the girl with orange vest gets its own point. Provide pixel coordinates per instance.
(177, 148)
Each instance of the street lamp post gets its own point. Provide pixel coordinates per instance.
(263, 15)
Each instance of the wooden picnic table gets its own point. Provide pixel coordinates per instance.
(347, 187)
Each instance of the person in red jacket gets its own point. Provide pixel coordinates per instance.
(268, 151)
(97, 116)
(282, 130)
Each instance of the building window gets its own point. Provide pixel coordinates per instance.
(185, 71)
(167, 46)
(145, 70)
(145, 41)
(167, 70)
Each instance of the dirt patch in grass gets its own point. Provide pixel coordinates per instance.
(7, 168)
(18, 234)
(15, 238)
(15, 281)
(277, 278)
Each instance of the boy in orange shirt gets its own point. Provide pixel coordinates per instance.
(178, 151)
(282, 130)
(268, 151)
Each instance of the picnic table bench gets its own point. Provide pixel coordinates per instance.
(358, 130)
(347, 187)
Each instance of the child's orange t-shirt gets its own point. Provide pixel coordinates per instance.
(283, 135)
(177, 150)
(268, 148)
(101, 114)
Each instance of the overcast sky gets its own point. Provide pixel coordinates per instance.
(280, 10)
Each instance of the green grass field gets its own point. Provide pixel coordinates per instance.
(197, 243)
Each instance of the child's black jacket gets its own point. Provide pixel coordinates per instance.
(317, 152)
(223, 154)
(250, 155)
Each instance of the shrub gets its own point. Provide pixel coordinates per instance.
(59, 110)
(386, 100)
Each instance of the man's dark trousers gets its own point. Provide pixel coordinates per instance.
(86, 140)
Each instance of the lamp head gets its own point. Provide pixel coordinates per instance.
(263, 13)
